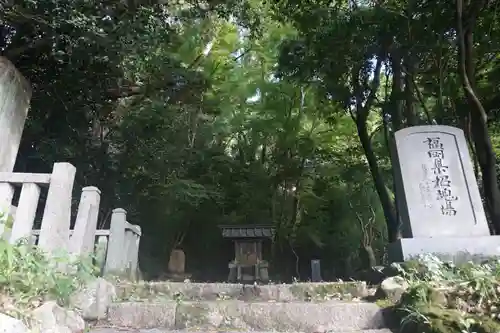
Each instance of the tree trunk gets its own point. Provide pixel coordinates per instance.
(368, 256)
(479, 127)
(360, 118)
(487, 162)
(411, 115)
(409, 65)
(385, 199)
(395, 99)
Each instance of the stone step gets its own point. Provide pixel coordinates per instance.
(148, 290)
(156, 330)
(247, 316)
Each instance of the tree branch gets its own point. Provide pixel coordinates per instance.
(125, 91)
(375, 83)
(473, 12)
(360, 221)
(363, 110)
(419, 95)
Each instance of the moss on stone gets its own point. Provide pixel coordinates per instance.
(384, 303)
(323, 290)
(423, 295)
(430, 314)
(148, 290)
(144, 290)
(435, 319)
(193, 315)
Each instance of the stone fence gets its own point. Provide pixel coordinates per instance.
(118, 247)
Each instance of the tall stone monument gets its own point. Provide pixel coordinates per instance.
(15, 95)
(438, 198)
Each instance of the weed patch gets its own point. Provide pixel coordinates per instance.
(29, 277)
(443, 297)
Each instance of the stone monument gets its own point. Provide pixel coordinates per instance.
(316, 270)
(15, 95)
(176, 266)
(438, 198)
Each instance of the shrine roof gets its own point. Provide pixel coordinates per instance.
(247, 231)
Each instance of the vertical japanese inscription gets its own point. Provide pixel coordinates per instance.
(442, 182)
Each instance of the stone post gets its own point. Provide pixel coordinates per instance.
(6, 195)
(129, 247)
(25, 212)
(56, 221)
(133, 236)
(135, 255)
(100, 252)
(116, 243)
(15, 96)
(83, 238)
(316, 270)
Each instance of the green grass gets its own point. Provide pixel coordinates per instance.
(28, 277)
(445, 298)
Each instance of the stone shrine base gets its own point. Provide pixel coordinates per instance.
(455, 249)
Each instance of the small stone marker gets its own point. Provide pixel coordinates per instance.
(437, 196)
(177, 262)
(316, 270)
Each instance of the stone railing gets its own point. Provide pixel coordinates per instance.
(54, 232)
(123, 245)
(117, 248)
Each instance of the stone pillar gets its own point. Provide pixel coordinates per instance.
(100, 252)
(133, 249)
(15, 96)
(83, 238)
(316, 270)
(6, 195)
(131, 253)
(116, 245)
(54, 232)
(28, 203)
(128, 247)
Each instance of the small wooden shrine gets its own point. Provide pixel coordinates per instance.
(248, 264)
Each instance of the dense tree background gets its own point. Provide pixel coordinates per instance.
(195, 114)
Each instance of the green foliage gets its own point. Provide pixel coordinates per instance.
(29, 277)
(397, 61)
(178, 117)
(443, 297)
(192, 114)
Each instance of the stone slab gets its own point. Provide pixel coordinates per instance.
(456, 249)
(156, 330)
(142, 315)
(437, 192)
(147, 290)
(248, 316)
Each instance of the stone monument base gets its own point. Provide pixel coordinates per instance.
(455, 249)
(177, 277)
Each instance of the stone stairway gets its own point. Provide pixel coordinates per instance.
(163, 307)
